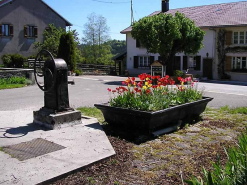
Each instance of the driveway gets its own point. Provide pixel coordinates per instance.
(89, 90)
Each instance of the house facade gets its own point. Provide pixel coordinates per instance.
(210, 18)
(22, 22)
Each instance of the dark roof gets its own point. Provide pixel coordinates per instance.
(3, 2)
(216, 15)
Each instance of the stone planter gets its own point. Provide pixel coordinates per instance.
(152, 121)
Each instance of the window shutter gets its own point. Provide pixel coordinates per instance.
(25, 31)
(138, 44)
(229, 38)
(198, 63)
(185, 62)
(228, 63)
(36, 31)
(11, 30)
(1, 34)
(136, 61)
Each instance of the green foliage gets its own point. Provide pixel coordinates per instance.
(51, 40)
(117, 46)
(238, 110)
(78, 72)
(179, 73)
(13, 60)
(92, 112)
(167, 35)
(13, 80)
(66, 50)
(235, 170)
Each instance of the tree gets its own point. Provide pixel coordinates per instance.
(95, 34)
(167, 35)
(67, 49)
(117, 46)
(51, 40)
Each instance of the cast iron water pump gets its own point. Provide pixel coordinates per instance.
(55, 85)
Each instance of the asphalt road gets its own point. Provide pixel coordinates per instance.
(89, 90)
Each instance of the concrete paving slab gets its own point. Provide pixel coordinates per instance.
(85, 144)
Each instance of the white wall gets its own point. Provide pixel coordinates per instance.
(209, 47)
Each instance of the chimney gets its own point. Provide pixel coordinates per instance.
(165, 6)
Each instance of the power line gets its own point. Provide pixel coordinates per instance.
(111, 2)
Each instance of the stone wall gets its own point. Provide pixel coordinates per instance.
(10, 72)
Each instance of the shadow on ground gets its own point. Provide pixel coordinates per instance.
(118, 83)
(20, 131)
(138, 137)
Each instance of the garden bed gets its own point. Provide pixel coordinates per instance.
(163, 160)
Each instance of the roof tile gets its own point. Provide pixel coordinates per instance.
(216, 15)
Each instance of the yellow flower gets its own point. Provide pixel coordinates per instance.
(144, 87)
(129, 85)
(147, 78)
(182, 83)
(146, 83)
(150, 85)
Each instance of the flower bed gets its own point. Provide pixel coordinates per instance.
(154, 93)
(153, 103)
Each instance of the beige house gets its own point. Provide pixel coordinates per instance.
(230, 17)
(22, 23)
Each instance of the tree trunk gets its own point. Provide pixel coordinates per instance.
(169, 63)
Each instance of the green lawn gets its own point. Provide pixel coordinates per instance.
(11, 86)
(92, 112)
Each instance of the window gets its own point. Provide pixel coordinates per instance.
(6, 30)
(139, 44)
(194, 62)
(239, 63)
(144, 61)
(240, 37)
(30, 31)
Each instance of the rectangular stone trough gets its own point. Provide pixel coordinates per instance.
(152, 121)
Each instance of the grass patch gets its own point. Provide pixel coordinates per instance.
(11, 86)
(92, 112)
(239, 110)
(13, 82)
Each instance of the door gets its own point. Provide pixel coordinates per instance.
(208, 68)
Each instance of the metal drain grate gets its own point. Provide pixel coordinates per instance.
(32, 149)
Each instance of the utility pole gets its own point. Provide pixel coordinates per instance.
(132, 15)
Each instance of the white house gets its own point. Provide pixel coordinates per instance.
(210, 18)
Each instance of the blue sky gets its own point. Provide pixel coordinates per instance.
(116, 13)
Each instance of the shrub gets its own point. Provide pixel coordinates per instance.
(13, 60)
(235, 170)
(148, 97)
(7, 61)
(179, 73)
(78, 72)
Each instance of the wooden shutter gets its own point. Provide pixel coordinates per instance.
(25, 31)
(35, 31)
(229, 38)
(198, 63)
(138, 44)
(11, 30)
(136, 61)
(228, 63)
(185, 62)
